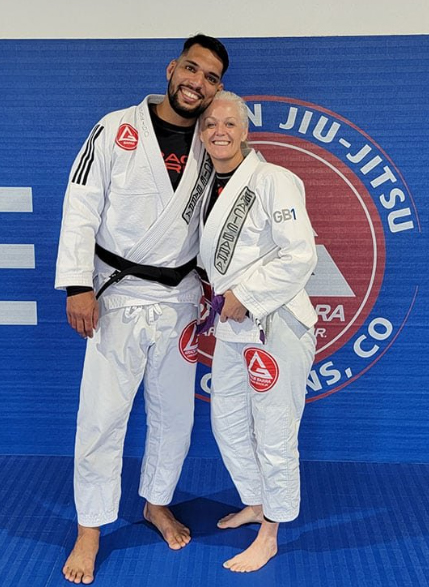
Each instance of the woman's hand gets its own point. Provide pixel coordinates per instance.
(233, 309)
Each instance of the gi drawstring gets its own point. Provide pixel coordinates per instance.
(153, 312)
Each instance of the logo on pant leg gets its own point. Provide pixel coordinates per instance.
(188, 343)
(262, 368)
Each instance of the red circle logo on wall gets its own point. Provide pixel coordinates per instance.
(188, 343)
(262, 369)
(365, 223)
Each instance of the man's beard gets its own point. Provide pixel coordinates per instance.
(178, 109)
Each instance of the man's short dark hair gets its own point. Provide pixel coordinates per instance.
(210, 43)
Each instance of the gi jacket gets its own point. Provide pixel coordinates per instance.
(258, 242)
(120, 195)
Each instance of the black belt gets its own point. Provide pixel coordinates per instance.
(171, 276)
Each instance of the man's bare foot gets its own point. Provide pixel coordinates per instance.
(174, 533)
(79, 567)
(252, 514)
(258, 553)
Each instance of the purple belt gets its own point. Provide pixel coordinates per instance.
(216, 306)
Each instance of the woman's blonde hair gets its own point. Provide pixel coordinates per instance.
(241, 104)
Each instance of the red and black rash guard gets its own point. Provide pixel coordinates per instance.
(220, 181)
(175, 143)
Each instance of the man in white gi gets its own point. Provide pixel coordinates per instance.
(134, 197)
(258, 249)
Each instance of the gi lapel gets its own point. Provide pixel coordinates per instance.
(179, 206)
(227, 217)
(150, 144)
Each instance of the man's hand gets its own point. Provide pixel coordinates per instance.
(233, 309)
(82, 313)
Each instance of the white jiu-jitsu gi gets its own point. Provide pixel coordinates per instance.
(258, 242)
(120, 196)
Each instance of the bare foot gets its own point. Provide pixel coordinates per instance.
(174, 533)
(258, 553)
(252, 514)
(79, 567)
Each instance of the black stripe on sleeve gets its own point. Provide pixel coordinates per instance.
(82, 171)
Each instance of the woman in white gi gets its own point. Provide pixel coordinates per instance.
(258, 249)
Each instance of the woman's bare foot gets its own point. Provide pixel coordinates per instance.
(174, 533)
(258, 553)
(79, 567)
(252, 514)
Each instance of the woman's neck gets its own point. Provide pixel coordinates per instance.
(227, 166)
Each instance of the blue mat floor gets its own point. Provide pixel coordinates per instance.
(361, 524)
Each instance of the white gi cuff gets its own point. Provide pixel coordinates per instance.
(64, 280)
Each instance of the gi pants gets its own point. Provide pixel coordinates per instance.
(130, 345)
(257, 400)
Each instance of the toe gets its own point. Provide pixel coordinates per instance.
(221, 523)
(176, 543)
(71, 575)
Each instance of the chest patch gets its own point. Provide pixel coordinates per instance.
(127, 137)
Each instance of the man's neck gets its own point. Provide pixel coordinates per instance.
(165, 112)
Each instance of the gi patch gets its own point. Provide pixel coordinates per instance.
(188, 343)
(197, 192)
(232, 228)
(127, 137)
(262, 368)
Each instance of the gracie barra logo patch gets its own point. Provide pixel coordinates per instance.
(232, 228)
(262, 369)
(188, 343)
(127, 137)
(197, 192)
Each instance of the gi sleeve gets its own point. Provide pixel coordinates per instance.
(83, 204)
(288, 270)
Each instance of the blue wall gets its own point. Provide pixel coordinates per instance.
(368, 395)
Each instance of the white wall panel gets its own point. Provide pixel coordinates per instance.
(110, 19)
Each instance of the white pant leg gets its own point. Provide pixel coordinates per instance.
(169, 385)
(114, 364)
(277, 413)
(232, 421)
